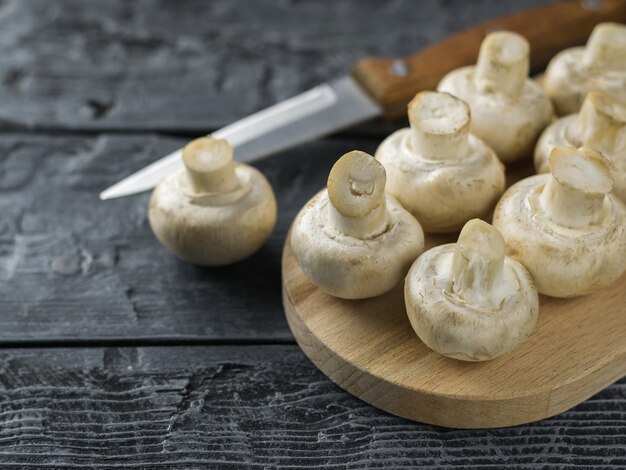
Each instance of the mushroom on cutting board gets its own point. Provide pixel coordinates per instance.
(213, 212)
(600, 66)
(351, 239)
(566, 227)
(509, 110)
(468, 300)
(600, 125)
(436, 169)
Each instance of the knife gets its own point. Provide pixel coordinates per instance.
(383, 87)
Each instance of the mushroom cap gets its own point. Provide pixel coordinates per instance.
(213, 229)
(564, 262)
(349, 267)
(455, 328)
(509, 125)
(599, 66)
(442, 194)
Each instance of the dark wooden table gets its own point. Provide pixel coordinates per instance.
(117, 355)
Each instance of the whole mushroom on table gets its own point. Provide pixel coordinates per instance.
(509, 110)
(566, 227)
(215, 211)
(352, 239)
(468, 300)
(437, 169)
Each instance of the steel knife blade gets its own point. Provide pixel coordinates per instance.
(312, 114)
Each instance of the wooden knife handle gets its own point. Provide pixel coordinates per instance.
(548, 29)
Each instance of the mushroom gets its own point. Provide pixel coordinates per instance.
(600, 66)
(509, 110)
(214, 212)
(436, 169)
(566, 227)
(600, 125)
(352, 240)
(469, 301)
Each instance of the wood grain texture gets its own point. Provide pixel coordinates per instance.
(254, 407)
(548, 29)
(194, 65)
(75, 268)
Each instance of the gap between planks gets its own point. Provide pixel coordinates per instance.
(139, 342)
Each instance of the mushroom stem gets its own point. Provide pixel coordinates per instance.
(503, 63)
(606, 47)
(440, 126)
(209, 165)
(361, 227)
(600, 120)
(356, 189)
(580, 180)
(478, 263)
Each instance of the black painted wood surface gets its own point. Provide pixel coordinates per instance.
(241, 407)
(209, 376)
(197, 65)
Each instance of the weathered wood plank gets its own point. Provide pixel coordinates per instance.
(74, 267)
(195, 65)
(254, 407)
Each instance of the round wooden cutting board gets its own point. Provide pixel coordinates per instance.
(369, 349)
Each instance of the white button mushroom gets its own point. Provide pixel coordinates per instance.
(600, 66)
(600, 125)
(469, 301)
(509, 111)
(436, 169)
(214, 212)
(566, 227)
(352, 240)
